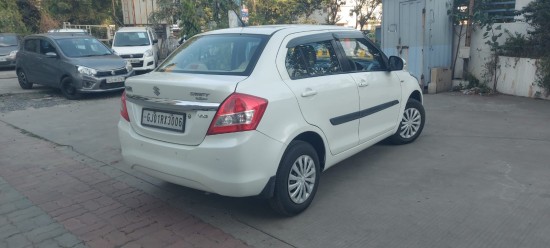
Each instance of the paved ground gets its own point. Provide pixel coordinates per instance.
(477, 177)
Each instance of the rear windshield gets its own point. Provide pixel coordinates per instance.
(82, 47)
(131, 39)
(226, 54)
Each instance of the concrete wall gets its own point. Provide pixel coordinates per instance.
(517, 76)
(480, 52)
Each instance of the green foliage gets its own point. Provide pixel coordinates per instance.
(80, 12)
(364, 10)
(537, 14)
(10, 18)
(272, 11)
(543, 74)
(30, 15)
(333, 9)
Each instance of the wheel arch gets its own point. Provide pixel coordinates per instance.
(315, 140)
(416, 95)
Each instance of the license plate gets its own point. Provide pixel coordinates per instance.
(115, 79)
(2, 59)
(163, 120)
(133, 60)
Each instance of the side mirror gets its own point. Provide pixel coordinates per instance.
(155, 41)
(396, 63)
(51, 55)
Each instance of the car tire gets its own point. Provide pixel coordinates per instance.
(297, 179)
(23, 80)
(411, 124)
(69, 90)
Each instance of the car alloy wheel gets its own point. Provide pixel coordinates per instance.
(297, 179)
(301, 179)
(410, 123)
(23, 80)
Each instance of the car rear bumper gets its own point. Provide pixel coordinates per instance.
(235, 164)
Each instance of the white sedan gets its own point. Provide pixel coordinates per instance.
(264, 110)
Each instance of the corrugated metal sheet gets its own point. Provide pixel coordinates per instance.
(137, 12)
(419, 31)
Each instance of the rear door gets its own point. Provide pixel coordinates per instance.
(327, 97)
(27, 59)
(379, 88)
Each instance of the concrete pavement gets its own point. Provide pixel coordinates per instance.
(477, 177)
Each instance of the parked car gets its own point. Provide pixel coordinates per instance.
(74, 63)
(264, 110)
(9, 45)
(139, 46)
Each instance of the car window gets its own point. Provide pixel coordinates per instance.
(229, 54)
(46, 47)
(131, 39)
(7, 40)
(82, 47)
(31, 45)
(363, 56)
(312, 60)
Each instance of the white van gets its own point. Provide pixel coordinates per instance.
(138, 45)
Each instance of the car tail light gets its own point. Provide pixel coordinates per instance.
(239, 112)
(123, 109)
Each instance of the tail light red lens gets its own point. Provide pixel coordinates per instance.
(123, 109)
(239, 112)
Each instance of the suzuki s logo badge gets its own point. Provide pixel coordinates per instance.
(131, 55)
(113, 73)
(156, 90)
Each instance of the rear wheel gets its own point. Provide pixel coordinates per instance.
(69, 90)
(23, 80)
(297, 179)
(412, 123)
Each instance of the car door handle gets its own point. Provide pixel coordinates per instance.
(309, 92)
(363, 83)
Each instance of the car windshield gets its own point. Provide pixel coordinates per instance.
(131, 39)
(8, 40)
(83, 47)
(227, 54)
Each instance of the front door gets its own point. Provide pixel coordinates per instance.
(379, 89)
(327, 98)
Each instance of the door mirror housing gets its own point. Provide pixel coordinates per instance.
(396, 63)
(155, 41)
(51, 55)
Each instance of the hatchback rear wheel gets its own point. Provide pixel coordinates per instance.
(69, 90)
(297, 179)
(23, 80)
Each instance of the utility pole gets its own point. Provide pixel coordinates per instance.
(470, 24)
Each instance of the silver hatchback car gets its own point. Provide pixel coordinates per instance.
(74, 63)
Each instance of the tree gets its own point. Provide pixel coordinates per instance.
(537, 14)
(10, 18)
(364, 10)
(272, 11)
(80, 12)
(30, 15)
(333, 10)
(307, 7)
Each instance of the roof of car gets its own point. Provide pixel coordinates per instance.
(271, 29)
(67, 30)
(132, 29)
(61, 35)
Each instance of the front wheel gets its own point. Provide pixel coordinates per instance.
(23, 80)
(297, 179)
(412, 123)
(69, 89)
